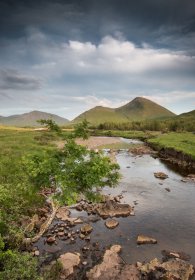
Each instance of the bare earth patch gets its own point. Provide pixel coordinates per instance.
(94, 141)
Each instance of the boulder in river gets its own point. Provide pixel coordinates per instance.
(63, 213)
(140, 150)
(69, 261)
(111, 223)
(109, 267)
(51, 239)
(143, 239)
(111, 208)
(86, 229)
(160, 175)
(113, 267)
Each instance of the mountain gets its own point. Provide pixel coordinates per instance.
(30, 119)
(141, 108)
(188, 115)
(185, 121)
(100, 114)
(138, 109)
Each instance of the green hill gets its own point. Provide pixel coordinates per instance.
(189, 115)
(141, 108)
(100, 114)
(30, 119)
(138, 109)
(185, 121)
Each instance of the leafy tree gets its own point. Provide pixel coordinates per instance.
(75, 169)
(81, 130)
(50, 124)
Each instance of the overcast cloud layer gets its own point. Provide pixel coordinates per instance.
(65, 57)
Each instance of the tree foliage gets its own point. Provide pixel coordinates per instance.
(75, 169)
(50, 125)
(172, 124)
(72, 171)
(17, 266)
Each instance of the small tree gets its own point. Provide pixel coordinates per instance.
(50, 124)
(75, 168)
(81, 130)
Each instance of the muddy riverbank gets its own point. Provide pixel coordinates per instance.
(184, 162)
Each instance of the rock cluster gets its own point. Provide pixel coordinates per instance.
(141, 150)
(63, 231)
(173, 269)
(112, 267)
(111, 207)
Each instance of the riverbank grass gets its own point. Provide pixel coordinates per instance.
(183, 142)
(130, 134)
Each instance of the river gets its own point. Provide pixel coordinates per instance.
(164, 209)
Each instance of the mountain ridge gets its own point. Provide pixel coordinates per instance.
(30, 119)
(138, 109)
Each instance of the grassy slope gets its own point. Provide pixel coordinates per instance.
(30, 119)
(183, 122)
(187, 120)
(188, 115)
(183, 142)
(141, 108)
(138, 109)
(99, 115)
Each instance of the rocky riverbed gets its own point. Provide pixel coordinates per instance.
(144, 229)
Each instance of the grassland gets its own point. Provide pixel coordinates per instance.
(183, 142)
(131, 134)
(16, 142)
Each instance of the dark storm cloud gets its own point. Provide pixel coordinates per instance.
(161, 22)
(12, 79)
(82, 53)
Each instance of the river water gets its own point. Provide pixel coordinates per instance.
(168, 216)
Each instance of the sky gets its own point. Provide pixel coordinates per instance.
(65, 57)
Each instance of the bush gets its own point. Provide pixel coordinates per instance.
(17, 266)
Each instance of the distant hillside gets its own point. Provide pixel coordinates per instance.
(100, 114)
(141, 108)
(185, 121)
(138, 109)
(30, 119)
(188, 115)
